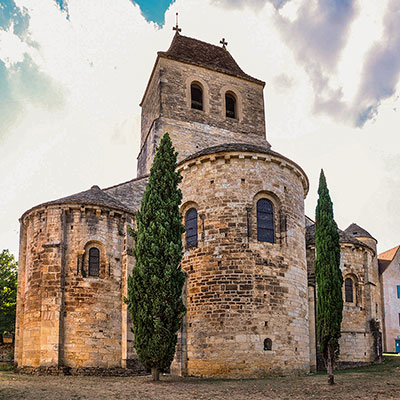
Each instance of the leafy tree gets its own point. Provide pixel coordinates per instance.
(8, 292)
(155, 286)
(329, 279)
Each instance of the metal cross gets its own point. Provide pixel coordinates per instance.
(176, 27)
(224, 44)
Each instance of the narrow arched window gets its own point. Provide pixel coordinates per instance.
(265, 221)
(267, 344)
(191, 228)
(230, 105)
(348, 290)
(196, 93)
(94, 261)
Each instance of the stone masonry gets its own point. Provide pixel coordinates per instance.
(239, 291)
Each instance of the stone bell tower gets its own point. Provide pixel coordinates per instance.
(200, 96)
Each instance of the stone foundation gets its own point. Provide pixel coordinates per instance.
(88, 371)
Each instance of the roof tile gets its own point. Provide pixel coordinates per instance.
(196, 52)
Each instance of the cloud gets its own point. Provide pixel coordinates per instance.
(13, 16)
(256, 4)
(24, 83)
(8, 109)
(319, 33)
(317, 37)
(283, 82)
(381, 69)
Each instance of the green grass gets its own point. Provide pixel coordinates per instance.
(390, 362)
(6, 367)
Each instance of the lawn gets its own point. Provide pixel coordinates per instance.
(375, 382)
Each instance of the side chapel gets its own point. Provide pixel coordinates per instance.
(249, 249)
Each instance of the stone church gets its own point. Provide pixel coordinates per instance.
(248, 247)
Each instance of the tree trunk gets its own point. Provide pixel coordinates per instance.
(155, 374)
(329, 367)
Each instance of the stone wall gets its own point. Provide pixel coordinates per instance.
(65, 317)
(176, 78)
(40, 282)
(239, 291)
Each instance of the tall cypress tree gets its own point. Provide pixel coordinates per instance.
(155, 286)
(329, 279)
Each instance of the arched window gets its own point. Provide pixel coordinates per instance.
(348, 290)
(267, 344)
(230, 105)
(191, 228)
(94, 261)
(196, 93)
(265, 221)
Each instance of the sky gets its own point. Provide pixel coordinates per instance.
(72, 74)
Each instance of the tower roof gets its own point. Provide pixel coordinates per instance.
(344, 237)
(356, 231)
(196, 52)
(94, 196)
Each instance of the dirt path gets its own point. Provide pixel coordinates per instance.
(377, 382)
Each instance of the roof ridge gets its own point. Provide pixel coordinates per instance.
(93, 196)
(197, 52)
(124, 183)
(197, 40)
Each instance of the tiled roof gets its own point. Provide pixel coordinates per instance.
(356, 231)
(388, 255)
(129, 193)
(343, 237)
(126, 196)
(94, 196)
(196, 52)
(385, 258)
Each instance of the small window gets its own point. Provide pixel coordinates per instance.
(191, 228)
(94, 261)
(267, 344)
(398, 291)
(265, 221)
(348, 290)
(230, 105)
(196, 93)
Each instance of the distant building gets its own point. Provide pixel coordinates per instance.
(389, 268)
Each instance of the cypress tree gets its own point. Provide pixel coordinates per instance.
(155, 286)
(329, 279)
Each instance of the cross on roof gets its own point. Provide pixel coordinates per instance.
(176, 27)
(224, 43)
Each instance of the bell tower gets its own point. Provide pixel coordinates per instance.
(202, 98)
